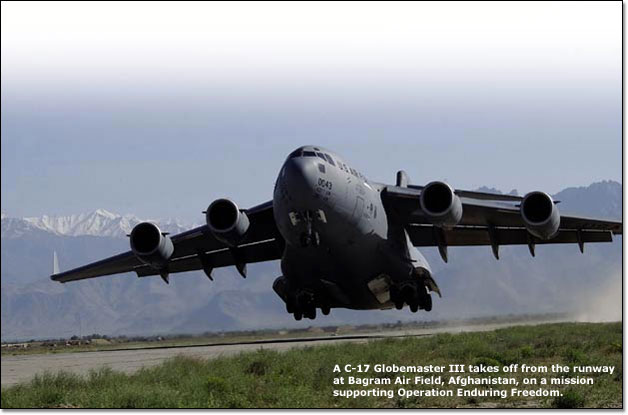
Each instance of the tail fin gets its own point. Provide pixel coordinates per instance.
(55, 263)
(403, 180)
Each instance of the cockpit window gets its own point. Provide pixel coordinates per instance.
(309, 154)
(295, 153)
(329, 159)
(320, 155)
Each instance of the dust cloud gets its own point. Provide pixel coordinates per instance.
(603, 303)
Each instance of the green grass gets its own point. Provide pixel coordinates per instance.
(303, 378)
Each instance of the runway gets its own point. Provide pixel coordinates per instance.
(21, 368)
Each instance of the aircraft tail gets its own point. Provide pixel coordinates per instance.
(55, 263)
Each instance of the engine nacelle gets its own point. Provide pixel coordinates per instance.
(226, 221)
(540, 215)
(440, 204)
(150, 245)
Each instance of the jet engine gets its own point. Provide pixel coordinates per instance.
(540, 215)
(440, 204)
(150, 245)
(226, 221)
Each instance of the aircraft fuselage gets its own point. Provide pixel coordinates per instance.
(340, 244)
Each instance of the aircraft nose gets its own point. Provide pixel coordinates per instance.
(301, 175)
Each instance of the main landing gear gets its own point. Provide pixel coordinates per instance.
(304, 304)
(413, 293)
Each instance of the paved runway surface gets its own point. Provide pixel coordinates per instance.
(16, 369)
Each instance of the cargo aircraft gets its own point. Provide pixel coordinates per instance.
(345, 241)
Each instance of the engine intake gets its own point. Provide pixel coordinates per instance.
(540, 215)
(150, 245)
(226, 221)
(440, 204)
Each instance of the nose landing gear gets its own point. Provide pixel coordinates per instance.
(310, 237)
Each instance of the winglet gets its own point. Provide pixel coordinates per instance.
(55, 263)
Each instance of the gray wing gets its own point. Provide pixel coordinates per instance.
(196, 249)
(488, 219)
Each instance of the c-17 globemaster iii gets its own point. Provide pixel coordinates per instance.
(345, 241)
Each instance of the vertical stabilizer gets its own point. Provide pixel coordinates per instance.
(55, 263)
(403, 180)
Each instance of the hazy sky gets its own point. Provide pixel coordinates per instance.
(157, 109)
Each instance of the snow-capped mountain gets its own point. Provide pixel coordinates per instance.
(17, 227)
(97, 223)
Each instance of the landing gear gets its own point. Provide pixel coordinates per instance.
(310, 237)
(290, 307)
(395, 297)
(414, 306)
(310, 313)
(313, 239)
(427, 304)
(302, 300)
(304, 304)
(307, 313)
(413, 293)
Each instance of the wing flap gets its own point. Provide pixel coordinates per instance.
(424, 235)
(482, 212)
(268, 250)
(117, 264)
(581, 222)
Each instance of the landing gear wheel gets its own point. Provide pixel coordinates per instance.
(409, 294)
(325, 310)
(399, 305)
(311, 313)
(297, 315)
(428, 303)
(394, 293)
(315, 239)
(289, 308)
(414, 307)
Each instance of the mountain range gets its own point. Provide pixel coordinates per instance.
(97, 223)
(559, 279)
